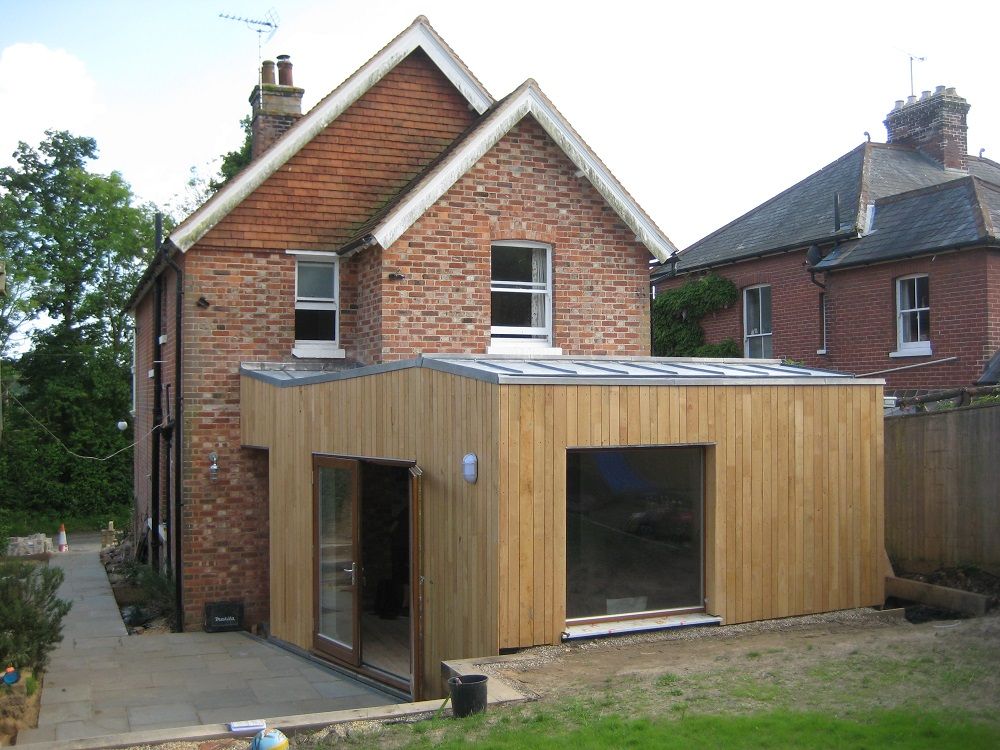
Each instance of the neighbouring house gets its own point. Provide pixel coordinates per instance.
(413, 417)
(884, 262)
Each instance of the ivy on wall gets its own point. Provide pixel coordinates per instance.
(677, 313)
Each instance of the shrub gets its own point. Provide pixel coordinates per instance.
(676, 314)
(31, 615)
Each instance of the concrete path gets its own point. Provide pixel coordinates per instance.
(103, 681)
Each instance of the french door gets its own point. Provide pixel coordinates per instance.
(337, 630)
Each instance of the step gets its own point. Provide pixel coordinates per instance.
(639, 625)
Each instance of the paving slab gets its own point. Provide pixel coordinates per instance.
(102, 681)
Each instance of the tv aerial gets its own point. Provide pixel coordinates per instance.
(267, 25)
(913, 59)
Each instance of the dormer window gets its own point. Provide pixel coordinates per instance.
(317, 292)
(520, 297)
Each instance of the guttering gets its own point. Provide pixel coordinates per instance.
(908, 367)
(356, 246)
(178, 446)
(155, 437)
(803, 245)
(986, 243)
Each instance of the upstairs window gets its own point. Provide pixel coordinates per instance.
(913, 315)
(317, 319)
(757, 322)
(520, 295)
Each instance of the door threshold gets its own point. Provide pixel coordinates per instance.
(644, 624)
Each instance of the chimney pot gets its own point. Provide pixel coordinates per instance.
(285, 70)
(924, 95)
(950, 91)
(911, 99)
(267, 72)
(938, 90)
(899, 104)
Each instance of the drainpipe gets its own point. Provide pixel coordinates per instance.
(176, 531)
(154, 541)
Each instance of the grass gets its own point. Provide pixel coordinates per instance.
(573, 730)
(876, 693)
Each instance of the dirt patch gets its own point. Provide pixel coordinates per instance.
(18, 710)
(841, 663)
(967, 579)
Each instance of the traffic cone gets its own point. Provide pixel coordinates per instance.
(61, 539)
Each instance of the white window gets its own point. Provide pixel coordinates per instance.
(520, 297)
(913, 316)
(317, 305)
(757, 322)
(822, 323)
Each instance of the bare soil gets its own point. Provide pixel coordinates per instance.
(841, 662)
(18, 710)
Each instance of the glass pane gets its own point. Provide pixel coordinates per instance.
(907, 296)
(315, 325)
(754, 347)
(520, 309)
(753, 311)
(765, 347)
(910, 327)
(924, 325)
(518, 264)
(317, 280)
(336, 554)
(922, 293)
(634, 530)
(765, 309)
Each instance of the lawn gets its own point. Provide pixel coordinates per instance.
(816, 686)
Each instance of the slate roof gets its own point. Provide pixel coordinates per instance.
(952, 215)
(872, 173)
(991, 373)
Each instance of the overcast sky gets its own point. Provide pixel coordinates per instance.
(702, 110)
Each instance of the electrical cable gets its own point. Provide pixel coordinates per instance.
(65, 447)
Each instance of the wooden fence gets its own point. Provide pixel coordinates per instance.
(942, 489)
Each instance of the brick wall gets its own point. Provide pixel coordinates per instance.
(524, 188)
(861, 315)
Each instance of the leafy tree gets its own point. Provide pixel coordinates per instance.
(234, 161)
(81, 246)
(677, 313)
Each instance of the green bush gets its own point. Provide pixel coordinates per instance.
(676, 316)
(31, 614)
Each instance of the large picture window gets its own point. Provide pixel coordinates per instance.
(913, 315)
(520, 294)
(757, 322)
(317, 323)
(633, 531)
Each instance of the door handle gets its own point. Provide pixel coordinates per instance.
(353, 570)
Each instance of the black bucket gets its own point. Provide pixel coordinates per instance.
(468, 694)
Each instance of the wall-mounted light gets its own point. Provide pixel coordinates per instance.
(213, 466)
(394, 276)
(470, 468)
(122, 426)
(203, 303)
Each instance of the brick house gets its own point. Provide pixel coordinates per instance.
(884, 262)
(408, 211)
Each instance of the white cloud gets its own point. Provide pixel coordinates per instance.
(43, 88)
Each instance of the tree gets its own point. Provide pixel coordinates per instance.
(234, 161)
(80, 245)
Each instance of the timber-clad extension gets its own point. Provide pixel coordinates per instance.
(793, 498)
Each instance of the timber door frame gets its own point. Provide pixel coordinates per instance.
(415, 497)
(323, 644)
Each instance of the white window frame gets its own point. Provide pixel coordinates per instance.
(822, 322)
(526, 339)
(911, 348)
(746, 320)
(318, 349)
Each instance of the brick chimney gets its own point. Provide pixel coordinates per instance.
(934, 124)
(275, 107)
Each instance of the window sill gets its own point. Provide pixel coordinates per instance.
(522, 348)
(321, 351)
(915, 352)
